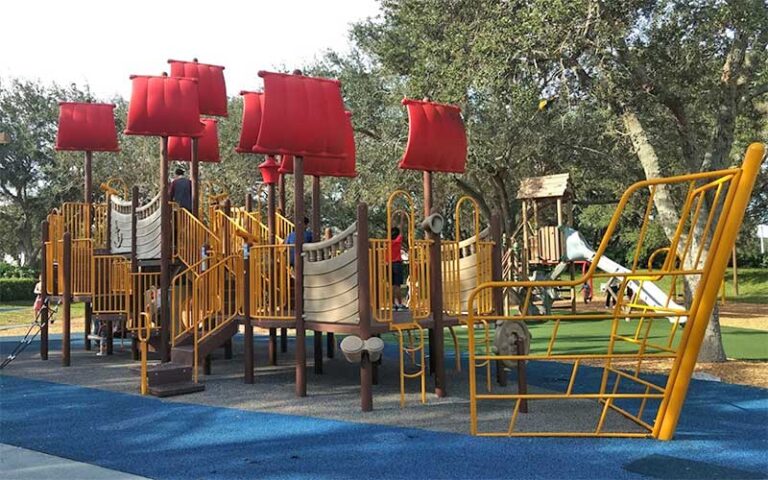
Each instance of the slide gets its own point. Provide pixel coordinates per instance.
(650, 294)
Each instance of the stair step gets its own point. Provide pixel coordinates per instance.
(168, 373)
(178, 388)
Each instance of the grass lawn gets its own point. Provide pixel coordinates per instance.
(591, 336)
(753, 286)
(21, 313)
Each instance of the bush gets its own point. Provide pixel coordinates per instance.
(15, 289)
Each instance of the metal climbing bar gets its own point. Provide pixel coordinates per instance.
(623, 397)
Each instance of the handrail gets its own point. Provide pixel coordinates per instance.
(707, 222)
(331, 247)
(192, 236)
(283, 226)
(271, 295)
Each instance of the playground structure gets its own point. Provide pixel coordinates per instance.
(183, 282)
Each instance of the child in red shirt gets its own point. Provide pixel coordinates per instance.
(396, 258)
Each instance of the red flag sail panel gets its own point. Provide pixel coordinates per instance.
(86, 127)
(437, 141)
(329, 167)
(301, 116)
(249, 131)
(211, 86)
(164, 107)
(180, 148)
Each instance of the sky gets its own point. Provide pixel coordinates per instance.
(101, 43)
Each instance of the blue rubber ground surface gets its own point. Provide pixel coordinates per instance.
(723, 433)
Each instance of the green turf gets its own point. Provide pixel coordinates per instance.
(21, 313)
(591, 336)
(753, 286)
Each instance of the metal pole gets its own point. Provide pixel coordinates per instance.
(427, 181)
(436, 296)
(298, 217)
(364, 306)
(66, 300)
(195, 178)
(281, 207)
(496, 275)
(248, 334)
(317, 337)
(271, 200)
(44, 314)
(165, 255)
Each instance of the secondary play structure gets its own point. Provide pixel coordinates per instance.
(183, 282)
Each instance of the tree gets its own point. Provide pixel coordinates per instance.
(30, 181)
(666, 81)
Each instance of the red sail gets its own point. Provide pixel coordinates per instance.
(87, 127)
(328, 167)
(301, 116)
(249, 132)
(180, 148)
(437, 141)
(164, 107)
(210, 79)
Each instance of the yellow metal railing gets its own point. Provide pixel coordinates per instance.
(111, 282)
(143, 297)
(82, 256)
(283, 226)
(271, 282)
(77, 219)
(100, 225)
(192, 236)
(627, 400)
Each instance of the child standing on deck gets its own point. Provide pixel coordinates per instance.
(396, 258)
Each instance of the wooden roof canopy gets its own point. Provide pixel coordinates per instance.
(548, 186)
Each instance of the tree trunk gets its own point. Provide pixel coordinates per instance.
(712, 347)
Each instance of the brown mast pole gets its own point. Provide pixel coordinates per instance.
(298, 217)
(272, 345)
(44, 294)
(165, 254)
(281, 207)
(364, 307)
(194, 176)
(427, 182)
(318, 336)
(66, 300)
(88, 199)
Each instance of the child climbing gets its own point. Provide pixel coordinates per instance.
(396, 257)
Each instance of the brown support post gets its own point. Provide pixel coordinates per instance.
(436, 305)
(66, 300)
(317, 337)
(87, 325)
(110, 337)
(44, 313)
(88, 187)
(364, 306)
(248, 334)
(298, 217)
(281, 199)
(165, 255)
(194, 175)
(271, 200)
(496, 275)
(330, 344)
(281, 206)
(427, 182)
(526, 241)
